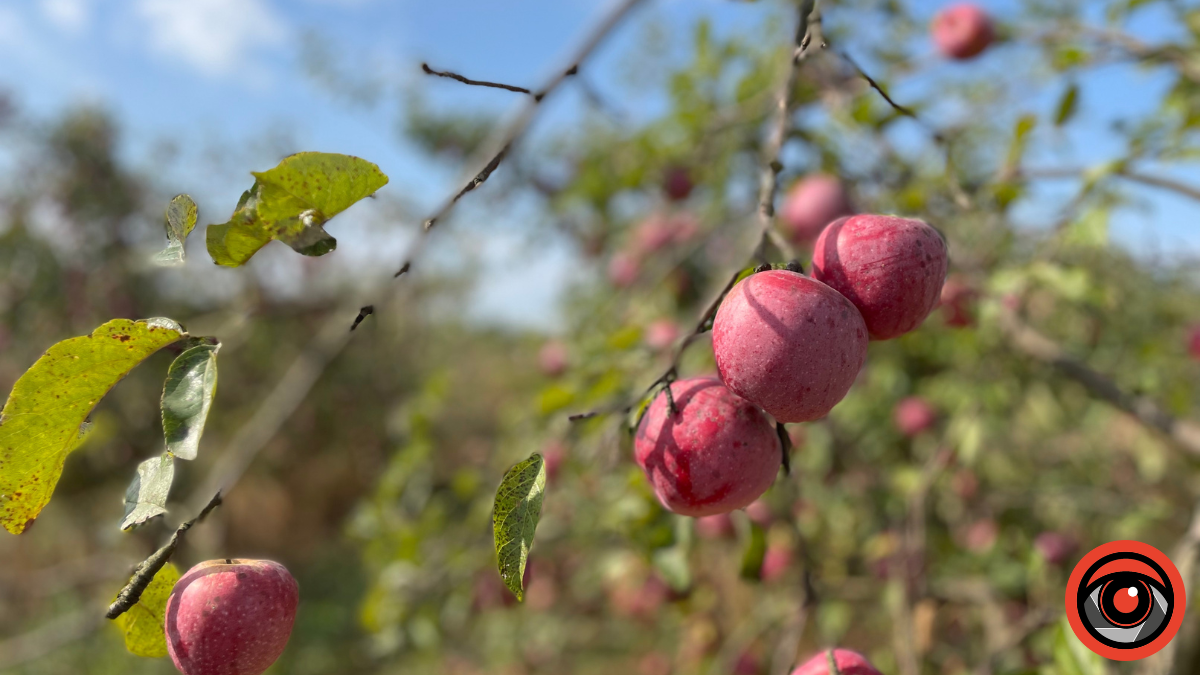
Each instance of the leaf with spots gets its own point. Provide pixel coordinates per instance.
(46, 413)
(143, 624)
(146, 496)
(292, 203)
(181, 220)
(187, 396)
(515, 517)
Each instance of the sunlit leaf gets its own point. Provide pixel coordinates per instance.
(143, 625)
(180, 221)
(1072, 657)
(44, 418)
(292, 203)
(1067, 105)
(515, 517)
(146, 496)
(187, 396)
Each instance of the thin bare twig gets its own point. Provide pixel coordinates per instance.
(270, 416)
(506, 137)
(477, 83)
(145, 572)
(808, 32)
(1183, 433)
(1163, 182)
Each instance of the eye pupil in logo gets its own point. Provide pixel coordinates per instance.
(1125, 600)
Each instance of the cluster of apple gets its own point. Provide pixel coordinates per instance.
(657, 231)
(788, 347)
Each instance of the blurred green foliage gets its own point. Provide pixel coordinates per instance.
(378, 492)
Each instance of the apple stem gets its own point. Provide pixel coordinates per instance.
(833, 667)
(785, 446)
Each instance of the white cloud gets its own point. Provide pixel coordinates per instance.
(213, 36)
(71, 16)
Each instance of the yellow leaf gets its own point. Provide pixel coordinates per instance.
(144, 624)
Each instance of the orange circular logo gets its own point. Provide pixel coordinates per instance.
(1125, 600)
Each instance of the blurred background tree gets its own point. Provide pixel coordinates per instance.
(930, 521)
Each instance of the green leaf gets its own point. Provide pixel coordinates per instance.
(1072, 657)
(187, 396)
(44, 418)
(1067, 105)
(753, 552)
(143, 625)
(1025, 124)
(146, 496)
(292, 203)
(181, 220)
(515, 518)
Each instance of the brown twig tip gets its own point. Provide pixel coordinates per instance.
(475, 83)
(144, 574)
(362, 315)
(403, 269)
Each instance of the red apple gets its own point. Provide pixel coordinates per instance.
(661, 334)
(747, 664)
(718, 453)
(1055, 547)
(553, 358)
(654, 663)
(653, 234)
(788, 343)
(1194, 342)
(845, 662)
(981, 535)
(678, 183)
(913, 415)
(964, 483)
(623, 270)
(956, 300)
(776, 562)
(230, 617)
(553, 454)
(759, 513)
(811, 204)
(962, 31)
(718, 526)
(891, 268)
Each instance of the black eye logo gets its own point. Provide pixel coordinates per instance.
(1127, 600)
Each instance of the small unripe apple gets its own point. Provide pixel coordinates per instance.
(1055, 547)
(718, 526)
(623, 270)
(661, 334)
(717, 453)
(811, 204)
(789, 344)
(1194, 342)
(891, 268)
(956, 300)
(962, 31)
(846, 662)
(677, 183)
(776, 562)
(230, 617)
(553, 358)
(913, 415)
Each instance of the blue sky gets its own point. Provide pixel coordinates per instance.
(223, 80)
